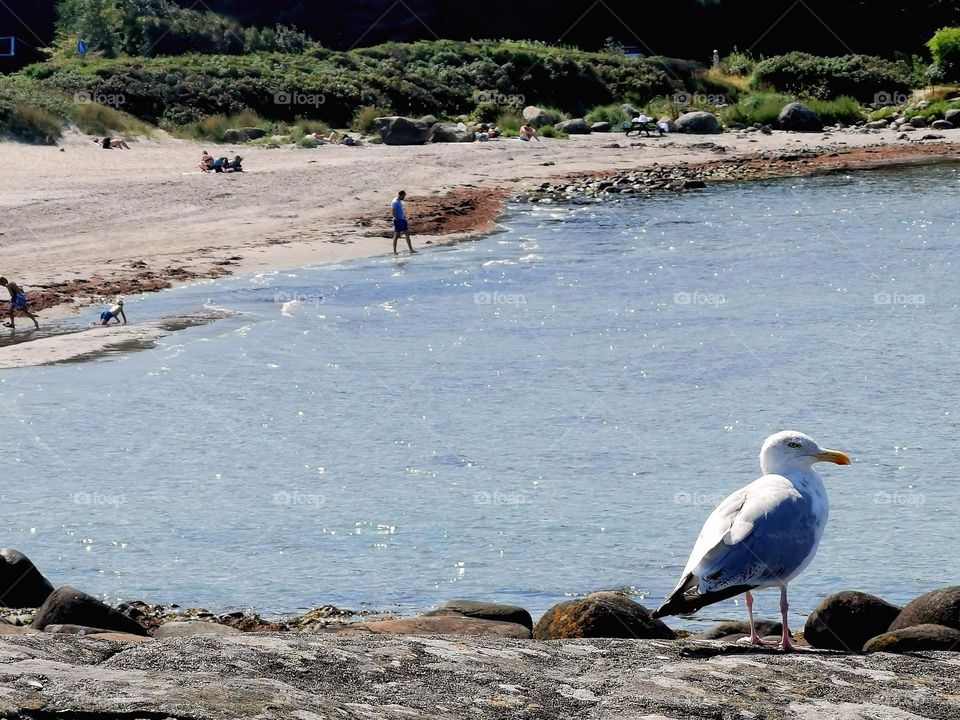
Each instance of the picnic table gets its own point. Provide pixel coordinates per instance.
(642, 124)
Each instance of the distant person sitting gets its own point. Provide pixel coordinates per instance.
(108, 143)
(114, 312)
(527, 133)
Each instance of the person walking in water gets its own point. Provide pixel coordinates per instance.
(400, 224)
(18, 301)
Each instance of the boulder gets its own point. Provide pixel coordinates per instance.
(669, 122)
(918, 122)
(192, 628)
(798, 117)
(939, 607)
(69, 606)
(451, 133)
(740, 627)
(630, 110)
(485, 611)
(878, 125)
(577, 126)
(952, 116)
(253, 133)
(434, 625)
(600, 615)
(537, 117)
(235, 135)
(429, 120)
(231, 136)
(915, 638)
(846, 620)
(397, 130)
(21, 584)
(600, 127)
(64, 629)
(698, 122)
(942, 125)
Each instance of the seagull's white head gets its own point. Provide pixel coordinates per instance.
(791, 451)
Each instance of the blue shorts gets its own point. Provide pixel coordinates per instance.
(400, 225)
(19, 302)
(106, 316)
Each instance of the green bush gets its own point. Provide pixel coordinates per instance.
(945, 48)
(364, 121)
(738, 63)
(509, 123)
(214, 126)
(307, 142)
(549, 131)
(842, 109)
(613, 114)
(31, 123)
(760, 108)
(934, 110)
(859, 76)
(96, 119)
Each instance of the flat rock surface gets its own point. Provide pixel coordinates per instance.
(307, 677)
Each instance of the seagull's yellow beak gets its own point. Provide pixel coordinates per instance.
(834, 456)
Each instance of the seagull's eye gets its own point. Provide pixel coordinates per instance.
(793, 444)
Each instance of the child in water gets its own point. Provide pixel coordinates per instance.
(112, 312)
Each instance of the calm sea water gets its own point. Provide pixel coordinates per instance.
(551, 410)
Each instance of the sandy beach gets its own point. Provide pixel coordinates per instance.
(81, 224)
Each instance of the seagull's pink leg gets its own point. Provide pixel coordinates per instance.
(784, 606)
(754, 638)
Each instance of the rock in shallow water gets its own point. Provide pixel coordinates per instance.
(939, 607)
(600, 615)
(485, 611)
(69, 606)
(914, 639)
(846, 620)
(21, 584)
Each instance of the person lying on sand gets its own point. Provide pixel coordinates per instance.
(112, 143)
(206, 162)
(18, 301)
(112, 312)
(527, 133)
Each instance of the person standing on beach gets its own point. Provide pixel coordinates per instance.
(18, 301)
(400, 224)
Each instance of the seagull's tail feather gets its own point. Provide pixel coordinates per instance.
(687, 599)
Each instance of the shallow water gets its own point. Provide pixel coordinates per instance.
(551, 410)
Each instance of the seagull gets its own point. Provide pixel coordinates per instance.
(763, 535)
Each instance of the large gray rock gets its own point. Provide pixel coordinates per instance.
(397, 130)
(918, 121)
(576, 126)
(434, 625)
(21, 584)
(798, 117)
(914, 639)
(537, 117)
(192, 628)
(740, 627)
(451, 133)
(698, 122)
(485, 611)
(942, 125)
(429, 120)
(235, 135)
(846, 620)
(877, 124)
(939, 607)
(299, 676)
(600, 615)
(600, 127)
(69, 606)
(952, 116)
